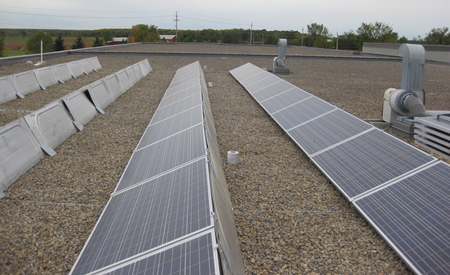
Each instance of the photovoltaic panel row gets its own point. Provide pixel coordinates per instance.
(355, 161)
(401, 190)
(413, 216)
(159, 217)
(194, 256)
(154, 213)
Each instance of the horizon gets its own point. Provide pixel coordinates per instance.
(411, 21)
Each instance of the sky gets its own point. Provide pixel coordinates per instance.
(411, 18)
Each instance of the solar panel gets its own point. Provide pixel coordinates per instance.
(181, 86)
(369, 160)
(159, 211)
(413, 216)
(327, 130)
(167, 100)
(196, 256)
(277, 97)
(176, 108)
(245, 72)
(171, 126)
(301, 112)
(162, 156)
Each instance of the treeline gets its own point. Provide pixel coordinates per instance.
(67, 33)
(316, 35)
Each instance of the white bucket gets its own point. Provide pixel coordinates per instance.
(233, 157)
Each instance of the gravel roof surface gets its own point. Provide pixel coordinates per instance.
(290, 218)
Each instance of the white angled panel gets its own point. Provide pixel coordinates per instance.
(125, 80)
(46, 77)
(132, 75)
(138, 70)
(86, 65)
(100, 94)
(147, 65)
(143, 68)
(114, 86)
(51, 125)
(26, 82)
(7, 90)
(62, 72)
(75, 68)
(95, 63)
(19, 151)
(80, 106)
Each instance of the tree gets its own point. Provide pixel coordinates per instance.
(59, 44)
(315, 31)
(378, 32)
(2, 46)
(34, 42)
(23, 33)
(107, 35)
(79, 43)
(144, 33)
(438, 36)
(98, 42)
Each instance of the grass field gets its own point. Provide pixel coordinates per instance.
(13, 44)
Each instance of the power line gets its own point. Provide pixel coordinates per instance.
(89, 17)
(121, 11)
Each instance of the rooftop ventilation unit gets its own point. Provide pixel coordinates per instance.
(280, 61)
(407, 101)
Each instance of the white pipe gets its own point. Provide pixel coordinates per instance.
(42, 61)
(233, 157)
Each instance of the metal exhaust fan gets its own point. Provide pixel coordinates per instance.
(400, 105)
(279, 62)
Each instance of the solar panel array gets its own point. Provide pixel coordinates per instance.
(164, 216)
(401, 190)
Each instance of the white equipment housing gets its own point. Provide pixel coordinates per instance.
(399, 102)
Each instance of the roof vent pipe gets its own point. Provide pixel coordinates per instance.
(413, 68)
(280, 61)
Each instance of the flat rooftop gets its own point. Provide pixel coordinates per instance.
(290, 219)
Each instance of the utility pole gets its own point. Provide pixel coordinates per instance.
(176, 26)
(337, 41)
(302, 36)
(251, 30)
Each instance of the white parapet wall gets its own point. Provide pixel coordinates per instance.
(440, 53)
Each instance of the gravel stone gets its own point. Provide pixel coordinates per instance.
(290, 219)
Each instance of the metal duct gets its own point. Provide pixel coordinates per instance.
(413, 67)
